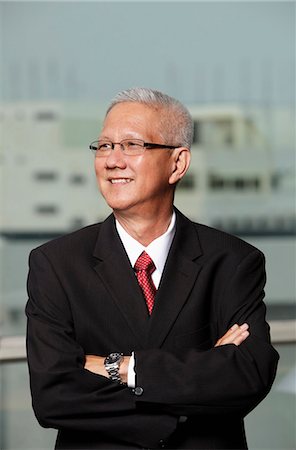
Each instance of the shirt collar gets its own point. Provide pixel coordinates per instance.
(158, 249)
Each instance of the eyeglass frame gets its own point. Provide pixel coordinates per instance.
(146, 145)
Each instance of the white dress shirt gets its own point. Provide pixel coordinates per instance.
(158, 251)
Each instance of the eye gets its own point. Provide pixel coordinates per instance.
(133, 145)
(103, 146)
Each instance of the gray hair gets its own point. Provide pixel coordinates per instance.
(176, 126)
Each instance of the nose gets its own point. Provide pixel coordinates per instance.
(116, 158)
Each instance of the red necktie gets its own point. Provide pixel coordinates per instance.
(144, 267)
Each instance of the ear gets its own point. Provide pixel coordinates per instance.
(181, 161)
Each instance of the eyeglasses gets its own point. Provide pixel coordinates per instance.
(130, 147)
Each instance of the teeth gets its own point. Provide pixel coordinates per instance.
(120, 180)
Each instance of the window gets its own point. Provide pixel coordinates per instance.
(216, 182)
(77, 179)
(196, 132)
(188, 182)
(241, 183)
(45, 115)
(46, 209)
(46, 176)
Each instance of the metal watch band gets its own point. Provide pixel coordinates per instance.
(112, 363)
(114, 374)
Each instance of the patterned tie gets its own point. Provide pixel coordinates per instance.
(144, 267)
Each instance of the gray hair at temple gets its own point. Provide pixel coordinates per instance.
(176, 125)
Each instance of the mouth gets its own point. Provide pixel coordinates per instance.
(120, 180)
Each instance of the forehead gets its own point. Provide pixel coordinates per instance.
(134, 108)
(133, 117)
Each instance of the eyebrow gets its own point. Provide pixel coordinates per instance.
(128, 136)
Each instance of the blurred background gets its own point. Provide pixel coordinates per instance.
(233, 65)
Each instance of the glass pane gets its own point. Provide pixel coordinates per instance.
(19, 428)
(270, 426)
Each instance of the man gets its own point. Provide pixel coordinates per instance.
(147, 330)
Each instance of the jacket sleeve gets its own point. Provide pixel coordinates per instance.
(222, 380)
(64, 394)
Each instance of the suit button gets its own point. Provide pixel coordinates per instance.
(183, 419)
(138, 390)
(161, 444)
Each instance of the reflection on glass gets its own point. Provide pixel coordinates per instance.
(20, 430)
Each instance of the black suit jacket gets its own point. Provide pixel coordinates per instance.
(84, 299)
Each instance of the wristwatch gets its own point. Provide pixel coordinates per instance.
(112, 363)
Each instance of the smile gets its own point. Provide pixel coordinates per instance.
(120, 180)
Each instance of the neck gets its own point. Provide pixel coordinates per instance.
(145, 228)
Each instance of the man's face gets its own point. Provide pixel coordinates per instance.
(135, 183)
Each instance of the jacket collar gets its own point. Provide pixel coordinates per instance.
(180, 272)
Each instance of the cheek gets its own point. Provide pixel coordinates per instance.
(156, 177)
(99, 171)
(162, 168)
(98, 168)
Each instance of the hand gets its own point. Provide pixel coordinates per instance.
(95, 364)
(235, 335)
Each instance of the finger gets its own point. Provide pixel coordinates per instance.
(238, 331)
(231, 330)
(227, 334)
(239, 339)
(235, 335)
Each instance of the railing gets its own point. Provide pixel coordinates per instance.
(13, 348)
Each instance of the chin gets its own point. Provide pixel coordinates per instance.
(118, 205)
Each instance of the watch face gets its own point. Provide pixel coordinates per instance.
(113, 358)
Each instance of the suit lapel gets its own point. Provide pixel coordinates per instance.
(180, 273)
(114, 269)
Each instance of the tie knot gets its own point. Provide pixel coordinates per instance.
(144, 262)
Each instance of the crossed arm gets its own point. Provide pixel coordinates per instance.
(235, 335)
(71, 391)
